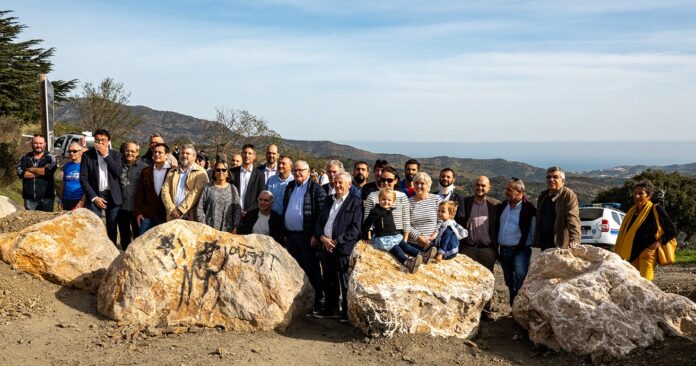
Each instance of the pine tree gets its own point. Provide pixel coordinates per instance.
(20, 66)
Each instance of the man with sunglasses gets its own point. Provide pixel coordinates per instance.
(71, 195)
(100, 171)
(36, 169)
(558, 215)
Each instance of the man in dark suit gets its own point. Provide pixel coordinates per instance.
(248, 180)
(149, 208)
(270, 167)
(338, 229)
(333, 167)
(100, 170)
(302, 204)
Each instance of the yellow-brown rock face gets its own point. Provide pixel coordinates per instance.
(72, 250)
(587, 300)
(186, 273)
(443, 299)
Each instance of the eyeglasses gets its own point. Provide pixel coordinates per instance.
(387, 180)
(220, 170)
(74, 151)
(300, 170)
(553, 177)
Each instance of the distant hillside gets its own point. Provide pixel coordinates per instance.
(180, 127)
(467, 168)
(633, 170)
(174, 126)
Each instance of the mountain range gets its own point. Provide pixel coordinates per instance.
(179, 128)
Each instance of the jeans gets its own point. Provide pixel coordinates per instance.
(334, 269)
(297, 244)
(41, 204)
(515, 268)
(147, 224)
(402, 249)
(111, 214)
(127, 227)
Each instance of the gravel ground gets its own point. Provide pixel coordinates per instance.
(42, 323)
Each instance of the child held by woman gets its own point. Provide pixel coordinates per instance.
(386, 237)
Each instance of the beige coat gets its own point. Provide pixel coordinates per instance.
(195, 182)
(566, 227)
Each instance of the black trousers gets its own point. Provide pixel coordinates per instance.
(307, 257)
(127, 227)
(334, 269)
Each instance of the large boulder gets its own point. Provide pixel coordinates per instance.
(185, 273)
(588, 300)
(71, 249)
(7, 206)
(441, 299)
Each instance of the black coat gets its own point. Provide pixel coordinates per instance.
(257, 183)
(275, 224)
(89, 174)
(347, 225)
(311, 207)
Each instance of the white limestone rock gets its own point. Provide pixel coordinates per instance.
(184, 273)
(7, 207)
(587, 300)
(443, 299)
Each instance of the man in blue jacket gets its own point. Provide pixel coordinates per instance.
(100, 171)
(338, 229)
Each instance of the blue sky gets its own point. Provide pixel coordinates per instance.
(393, 70)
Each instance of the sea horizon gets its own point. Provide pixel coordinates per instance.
(571, 156)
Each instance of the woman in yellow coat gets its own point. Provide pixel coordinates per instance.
(640, 233)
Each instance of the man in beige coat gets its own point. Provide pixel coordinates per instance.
(558, 214)
(183, 186)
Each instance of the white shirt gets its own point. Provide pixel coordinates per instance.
(261, 226)
(269, 172)
(338, 202)
(181, 189)
(103, 173)
(244, 176)
(158, 176)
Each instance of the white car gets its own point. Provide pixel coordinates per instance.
(600, 223)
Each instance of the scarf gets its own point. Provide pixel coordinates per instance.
(624, 243)
(458, 230)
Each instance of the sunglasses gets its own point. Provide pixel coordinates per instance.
(74, 151)
(220, 170)
(387, 180)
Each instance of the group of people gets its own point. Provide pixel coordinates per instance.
(319, 224)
